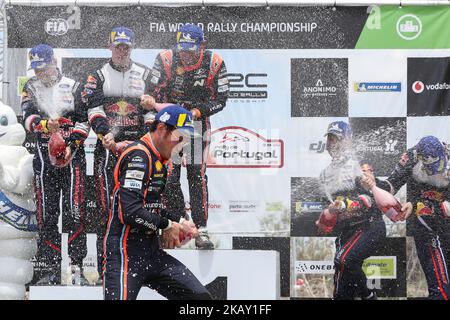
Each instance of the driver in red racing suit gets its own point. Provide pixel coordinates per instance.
(195, 78)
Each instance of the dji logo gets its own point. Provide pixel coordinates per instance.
(318, 147)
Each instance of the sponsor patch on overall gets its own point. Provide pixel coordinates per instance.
(132, 184)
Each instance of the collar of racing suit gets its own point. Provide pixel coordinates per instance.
(118, 68)
(147, 139)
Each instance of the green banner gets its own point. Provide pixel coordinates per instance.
(393, 27)
(20, 84)
(380, 267)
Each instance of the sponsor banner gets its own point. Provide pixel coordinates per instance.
(237, 147)
(248, 87)
(271, 133)
(379, 141)
(308, 206)
(412, 27)
(375, 267)
(314, 267)
(239, 206)
(314, 258)
(317, 84)
(428, 87)
(155, 27)
(380, 267)
(377, 87)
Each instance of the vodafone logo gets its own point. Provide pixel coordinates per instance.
(418, 86)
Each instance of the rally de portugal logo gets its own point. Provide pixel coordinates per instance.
(409, 27)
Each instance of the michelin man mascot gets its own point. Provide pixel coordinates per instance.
(17, 209)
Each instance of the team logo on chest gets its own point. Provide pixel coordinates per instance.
(123, 114)
(158, 166)
(179, 71)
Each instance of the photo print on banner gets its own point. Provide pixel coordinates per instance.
(379, 141)
(313, 268)
(319, 87)
(428, 86)
(307, 200)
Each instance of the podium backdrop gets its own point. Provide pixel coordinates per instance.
(292, 70)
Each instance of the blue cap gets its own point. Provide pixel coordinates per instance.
(431, 152)
(340, 129)
(122, 35)
(40, 56)
(178, 117)
(189, 37)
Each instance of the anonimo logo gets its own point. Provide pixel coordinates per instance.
(419, 87)
(319, 90)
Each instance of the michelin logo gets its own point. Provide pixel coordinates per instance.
(377, 87)
(16, 216)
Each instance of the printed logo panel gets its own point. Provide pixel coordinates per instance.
(428, 87)
(319, 87)
(238, 147)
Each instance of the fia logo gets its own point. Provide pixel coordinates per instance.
(318, 147)
(60, 26)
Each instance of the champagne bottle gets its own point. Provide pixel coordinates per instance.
(187, 236)
(56, 148)
(387, 203)
(327, 220)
